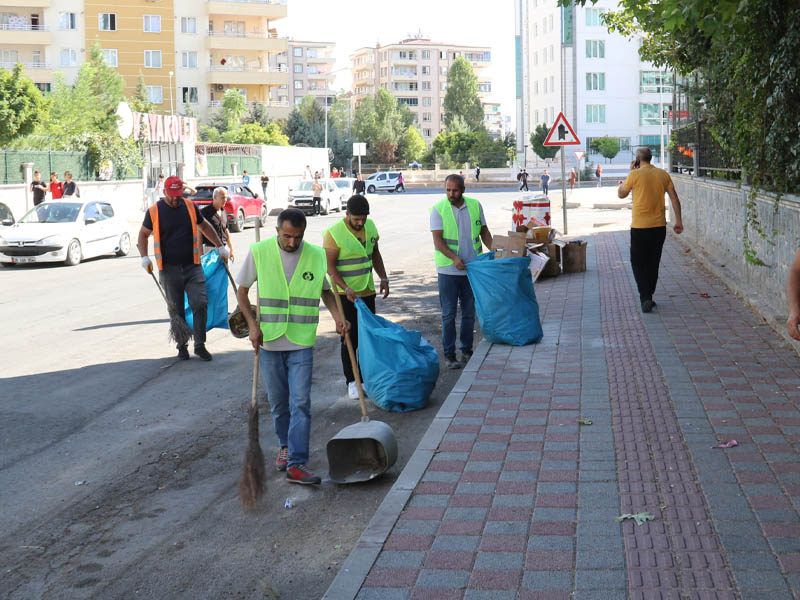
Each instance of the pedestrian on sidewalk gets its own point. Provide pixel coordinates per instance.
(401, 183)
(598, 172)
(215, 215)
(458, 226)
(70, 187)
(176, 224)
(245, 178)
(477, 173)
(38, 188)
(56, 187)
(793, 298)
(359, 185)
(351, 246)
(545, 182)
(572, 177)
(316, 191)
(522, 177)
(285, 331)
(264, 184)
(648, 223)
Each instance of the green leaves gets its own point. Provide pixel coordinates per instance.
(537, 142)
(461, 100)
(607, 146)
(21, 105)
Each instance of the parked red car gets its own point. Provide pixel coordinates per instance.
(243, 206)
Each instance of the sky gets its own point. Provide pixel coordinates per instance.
(352, 24)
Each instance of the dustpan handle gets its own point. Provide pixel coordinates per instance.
(353, 361)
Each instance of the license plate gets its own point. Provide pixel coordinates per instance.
(303, 203)
(24, 259)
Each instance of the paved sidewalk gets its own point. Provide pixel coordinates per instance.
(508, 496)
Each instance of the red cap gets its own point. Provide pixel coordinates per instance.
(173, 187)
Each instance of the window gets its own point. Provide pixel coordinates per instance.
(426, 70)
(595, 113)
(68, 58)
(188, 25)
(648, 113)
(107, 21)
(155, 94)
(443, 71)
(536, 117)
(442, 86)
(652, 142)
(189, 60)
(426, 101)
(536, 58)
(426, 85)
(152, 59)
(654, 82)
(110, 57)
(408, 101)
(234, 28)
(442, 55)
(536, 88)
(595, 82)
(551, 53)
(544, 85)
(426, 132)
(595, 49)
(594, 17)
(67, 20)
(298, 100)
(552, 85)
(298, 68)
(550, 22)
(426, 55)
(298, 51)
(535, 29)
(36, 58)
(412, 55)
(189, 95)
(152, 23)
(484, 86)
(426, 116)
(298, 85)
(43, 87)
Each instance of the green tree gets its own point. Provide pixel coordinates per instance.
(537, 143)
(21, 105)
(254, 133)
(140, 102)
(412, 145)
(461, 98)
(607, 146)
(73, 112)
(299, 130)
(381, 121)
(106, 87)
(234, 108)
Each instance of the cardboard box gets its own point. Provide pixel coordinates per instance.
(507, 246)
(540, 235)
(538, 263)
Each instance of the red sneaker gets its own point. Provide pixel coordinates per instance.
(301, 474)
(283, 459)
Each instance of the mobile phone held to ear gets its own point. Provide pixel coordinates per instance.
(636, 164)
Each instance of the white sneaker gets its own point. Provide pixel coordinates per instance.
(352, 390)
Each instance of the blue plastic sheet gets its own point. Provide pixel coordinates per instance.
(399, 366)
(504, 299)
(217, 291)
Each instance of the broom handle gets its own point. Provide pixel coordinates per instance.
(253, 401)
(160, 289)
(228, 271)
(352, 354)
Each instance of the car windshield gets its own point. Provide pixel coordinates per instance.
(203, 194)
(53, 212)
(342, 183)
(304, 186)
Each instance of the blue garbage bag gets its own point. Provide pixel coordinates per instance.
(504, 299)
(399, 366)
(216, 290)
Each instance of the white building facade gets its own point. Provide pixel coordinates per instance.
(575, 66)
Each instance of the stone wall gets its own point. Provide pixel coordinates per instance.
(714, 218)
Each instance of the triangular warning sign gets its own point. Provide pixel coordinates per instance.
(562, 134)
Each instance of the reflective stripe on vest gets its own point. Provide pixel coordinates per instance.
(355, 261)
(153, 210)
(450, 228)
(292, 308)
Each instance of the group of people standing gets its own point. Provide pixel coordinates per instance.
(57, 189)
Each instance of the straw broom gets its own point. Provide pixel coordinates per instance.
(179, 330)
(253, 480)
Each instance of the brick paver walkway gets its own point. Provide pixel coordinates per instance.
(513, 498)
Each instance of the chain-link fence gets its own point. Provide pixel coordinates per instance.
(46, 162)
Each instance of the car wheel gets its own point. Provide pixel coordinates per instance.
(391, 191)
(264, 214)
(238, 222)
(74, 253)
(371, 189)
(124, 244)
(8, 265)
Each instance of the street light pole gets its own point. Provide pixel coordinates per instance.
(661, 115)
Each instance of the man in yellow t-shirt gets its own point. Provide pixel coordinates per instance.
(351, 246)
(649, 222)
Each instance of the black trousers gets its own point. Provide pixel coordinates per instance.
(646, 246)
(177, 279)
(317, 205)
(351, 315)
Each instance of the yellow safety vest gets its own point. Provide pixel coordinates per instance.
(157, 234)
(292, 308)
(355, 261)
(450, 229)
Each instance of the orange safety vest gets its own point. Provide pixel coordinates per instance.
(157, 233)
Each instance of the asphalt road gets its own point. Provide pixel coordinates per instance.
(119, 464)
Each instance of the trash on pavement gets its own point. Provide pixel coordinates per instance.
(730, 444)
(584, 421)
(290, 502)
(639, 517)
(83, 482)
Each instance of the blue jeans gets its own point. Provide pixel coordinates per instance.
(452, 289)
(287, 378)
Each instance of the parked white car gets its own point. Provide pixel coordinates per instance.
(345, 186)
(386, 181)
(68, 232)
(301, 196)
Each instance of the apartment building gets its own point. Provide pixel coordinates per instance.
(310, 68)
(568, 61)
(493, 119)
(415, 71)
(189, 53)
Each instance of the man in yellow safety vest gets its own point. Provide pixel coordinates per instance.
(291, 279)
(458, 227)
(351, 246)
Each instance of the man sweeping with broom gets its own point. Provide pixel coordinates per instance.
(291, 279)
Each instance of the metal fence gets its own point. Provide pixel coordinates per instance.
(46, 162)
(221, 165)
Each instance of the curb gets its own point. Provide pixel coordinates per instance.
(351, 576)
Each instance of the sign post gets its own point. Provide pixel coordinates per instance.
(562, 134)
(359, 150)
(579, 154)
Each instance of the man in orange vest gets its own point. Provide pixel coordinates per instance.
(176, 224)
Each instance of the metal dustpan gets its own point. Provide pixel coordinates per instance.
(364, 450)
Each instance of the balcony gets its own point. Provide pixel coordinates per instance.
(321, 75)
(23, 34)
(38, 71)
(320, 59)
(403, 74)
(257, 42)
(270, 9)
(277, 109)
(403, 61)
(25, 3)
(233, 75)
(368, 66)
